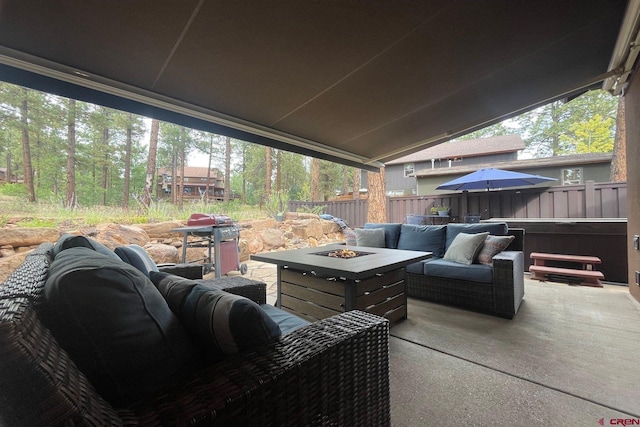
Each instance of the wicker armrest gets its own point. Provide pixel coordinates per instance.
(27, 280)
(188, 271)
(252, 289)
(333, 372)
(508, 282)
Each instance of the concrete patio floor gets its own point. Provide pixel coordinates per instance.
(568, 358)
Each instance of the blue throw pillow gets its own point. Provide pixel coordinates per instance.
(116, 326)
(426, 238)
(136, 256)
(391, 233)
(286, 321)
(222, 323)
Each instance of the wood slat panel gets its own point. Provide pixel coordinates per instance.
(397, 314)
(379, 296)
(330, 286)
(307, 308)
(376, 282)
(323, 299)
(386, 306)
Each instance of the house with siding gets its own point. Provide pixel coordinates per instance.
(421, 172)
(402, 174)
(195, 184)
(4, 177)
(567, 170)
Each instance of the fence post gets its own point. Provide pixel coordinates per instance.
(590, 199)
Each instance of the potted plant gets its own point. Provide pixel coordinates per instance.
(278, 204)
(443, 210)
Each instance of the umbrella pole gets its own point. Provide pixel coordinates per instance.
(488, 203)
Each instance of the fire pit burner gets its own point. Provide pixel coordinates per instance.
(343, 253)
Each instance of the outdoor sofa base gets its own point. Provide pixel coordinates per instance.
(332, 372)
(502, 297)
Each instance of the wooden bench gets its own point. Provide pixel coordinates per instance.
(585, 275)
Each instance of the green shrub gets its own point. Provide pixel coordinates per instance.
(37, 223)
(319, 209)
(14, 190)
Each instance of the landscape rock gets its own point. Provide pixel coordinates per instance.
(9, 264)
(114, 235)
(293, 216)
(27, 236)
(162, 254)
(329, 227)
(262, 224)
(250, 242)
(308, 228)
(161, 230)
(194, 254)
(272, 238)
(7, 251)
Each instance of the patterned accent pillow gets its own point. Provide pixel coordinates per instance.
(222, 323)
(493, 245)
(464, 247)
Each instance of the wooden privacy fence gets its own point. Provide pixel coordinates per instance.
(353, 212)
(590, 200)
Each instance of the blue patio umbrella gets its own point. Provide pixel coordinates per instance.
(489, 178)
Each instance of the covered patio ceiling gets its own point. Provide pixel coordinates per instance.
(356, 82)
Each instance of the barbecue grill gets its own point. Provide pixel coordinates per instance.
(219, 234)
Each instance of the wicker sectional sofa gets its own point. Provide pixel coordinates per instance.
(496, 289)
(332, 372)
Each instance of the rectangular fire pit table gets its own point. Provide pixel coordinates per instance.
(313, 285)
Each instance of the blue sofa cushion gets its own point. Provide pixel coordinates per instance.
(391, 233)
(494, 228)
(116, 326)
(416, 267)
(454, 270)
(286, 321)
(222, 323)
(427, 238)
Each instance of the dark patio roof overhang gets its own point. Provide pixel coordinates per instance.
(359, 83)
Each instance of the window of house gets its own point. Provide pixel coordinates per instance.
(572, 176)
(408, 169)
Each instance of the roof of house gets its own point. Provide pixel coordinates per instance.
(466, 148)
(570, 160)
(193, 171)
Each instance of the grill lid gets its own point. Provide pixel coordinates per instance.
(209, 220)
